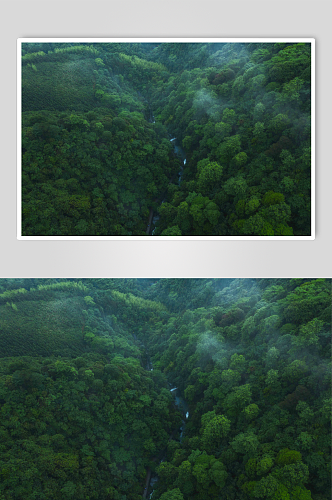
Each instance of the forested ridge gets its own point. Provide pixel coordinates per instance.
(86, 368)
(97, 120)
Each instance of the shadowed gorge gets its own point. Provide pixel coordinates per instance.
(170, 389)
(98, 121)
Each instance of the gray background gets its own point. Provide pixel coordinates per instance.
(159, 18)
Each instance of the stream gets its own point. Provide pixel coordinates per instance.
(183, 407)
(182, 155)
(152, 478)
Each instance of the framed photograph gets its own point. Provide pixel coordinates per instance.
(166, 139)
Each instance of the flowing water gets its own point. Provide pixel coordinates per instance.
(182, 155)
(184, 409)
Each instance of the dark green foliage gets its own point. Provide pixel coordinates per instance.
(234, 114)
(85, 405)
(68, 435)
(66, 180)
(42, 327)
(96, 124)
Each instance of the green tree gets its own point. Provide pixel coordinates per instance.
(209, 176)
(251, 411)
(237, 399)
(214, 429)
(172, 231)
(174, 494)
(246, 443)
(292, 475)
(309, 334)
(241, 159)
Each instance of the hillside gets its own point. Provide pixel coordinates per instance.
(171, 139)
(195, 389)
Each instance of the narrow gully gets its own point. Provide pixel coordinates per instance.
(181, 154)
(181, 404)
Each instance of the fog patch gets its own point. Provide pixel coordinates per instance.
(210, 347)
(206, 101)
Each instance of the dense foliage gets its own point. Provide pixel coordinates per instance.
(96, 126)
(86, 410)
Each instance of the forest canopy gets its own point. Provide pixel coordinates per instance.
(166, 139)
(183, 389)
